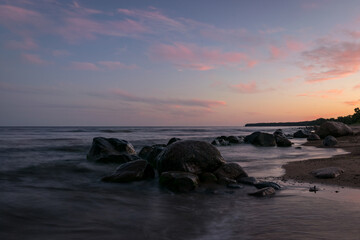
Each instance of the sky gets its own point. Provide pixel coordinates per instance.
(177, 63)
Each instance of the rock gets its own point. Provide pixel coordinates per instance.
(279, 132)
(154, 154)
(132, 171)
(223, 138)
(268, 191)
(145, 151)
(189, 156)
(226, 181)
(261, 139)
(261, 185)
(220, 142)
(172, 140)
(329, 172)
(208, 177)
(313, 137)
(109, 150)
(233, 139)
(179, 181)
(336, 129)
(230, 170)
(301, 134)
(314, 189)
(330, 141)
(247, 180)
(282, 141)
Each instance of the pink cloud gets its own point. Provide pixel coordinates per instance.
(357, 86)
(246, 87)
(26, 44)
(174, 102)
(353, 34)
(84, 66)
(333, 61)
(59, 53)
(276, 52)
(353, 103)
(291, 79)
(75, 28)
(10, 15)
(152, 16)
(198, 67)
(34, 59)
(200, 58)
(115, 65)
(332, 93)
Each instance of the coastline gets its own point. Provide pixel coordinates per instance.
(300, 171)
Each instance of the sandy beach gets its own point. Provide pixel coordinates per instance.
(300, 171)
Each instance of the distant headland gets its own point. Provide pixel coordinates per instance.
(350, 119)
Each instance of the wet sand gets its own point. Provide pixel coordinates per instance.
(301, 171)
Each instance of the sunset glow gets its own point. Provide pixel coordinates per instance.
(181, 63)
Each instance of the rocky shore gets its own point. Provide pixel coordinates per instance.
(301, 171)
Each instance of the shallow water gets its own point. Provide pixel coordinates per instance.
(48, 190)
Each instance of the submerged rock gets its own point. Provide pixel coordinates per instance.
(261, 185)
(329, 172)
(336, 129)
(179, 181)
(132, 171)
(233, 139)
(108, 150)
(189, 156)
(330, 141)
(261, 139)
(264, 192)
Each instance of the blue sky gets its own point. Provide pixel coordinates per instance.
(182, 63)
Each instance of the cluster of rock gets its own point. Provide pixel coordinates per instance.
(278, 138)
(328, 131)
(227, 140)
(181, 165)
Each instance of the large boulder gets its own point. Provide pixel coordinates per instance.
(261, 139)
(190, 156)
(330, 141)
(132, 171)
(282, 141)
(172, 140)
(179, 181)
(230, 170)
(110, 150)
(329, 172)
(336, 129)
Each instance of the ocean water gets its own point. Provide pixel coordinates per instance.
(48, 190)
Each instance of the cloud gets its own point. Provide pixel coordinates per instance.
(101, 65)
(84, 66)
(60, 53)
(357, 86)
(208, 104)
(200, 58)
(152, 16)
(353, 103)
(26, 44)
(332, 93)
(333, 61)
(34, 59)
(111, 65)
(246, 87)
(289, 46)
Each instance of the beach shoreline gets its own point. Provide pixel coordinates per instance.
(300, 171)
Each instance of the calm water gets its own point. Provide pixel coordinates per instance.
(48, 190)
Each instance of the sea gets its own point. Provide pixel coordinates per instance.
(49, 190)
